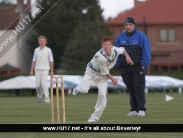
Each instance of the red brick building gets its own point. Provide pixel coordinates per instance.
(12, 18)
(162, 22)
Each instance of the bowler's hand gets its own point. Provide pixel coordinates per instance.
(129, 61)
(114, 81)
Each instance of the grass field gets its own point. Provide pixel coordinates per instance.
(24, 109)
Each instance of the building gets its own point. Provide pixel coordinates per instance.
(7, 69)
(162, 22)
(14, 47)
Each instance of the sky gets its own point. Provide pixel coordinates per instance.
(111, 8)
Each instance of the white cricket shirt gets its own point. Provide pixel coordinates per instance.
(102, 63)
(43, 57)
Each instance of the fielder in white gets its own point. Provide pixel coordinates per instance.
(42, 62)
(97, 71)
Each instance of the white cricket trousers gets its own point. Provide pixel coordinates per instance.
(101, 81)
(41, 84)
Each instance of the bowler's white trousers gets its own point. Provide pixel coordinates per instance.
(41, 84)
(90, 78)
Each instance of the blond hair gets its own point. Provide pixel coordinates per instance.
(42, 36)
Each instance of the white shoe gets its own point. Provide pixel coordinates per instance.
(90, 120)
(141, 113)
(75, 92)
(47, 102)
(132, 113)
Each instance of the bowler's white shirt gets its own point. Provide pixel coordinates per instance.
(43, 57)
(105, 62)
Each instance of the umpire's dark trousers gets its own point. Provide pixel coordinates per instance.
(134, 79)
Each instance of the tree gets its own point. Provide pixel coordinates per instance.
(59, 22)
(83, 44)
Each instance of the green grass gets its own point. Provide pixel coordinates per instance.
(24, 109)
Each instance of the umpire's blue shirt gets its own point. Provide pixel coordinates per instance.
(137, 46)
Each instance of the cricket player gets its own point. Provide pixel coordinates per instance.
(42, 63)
(97, 71)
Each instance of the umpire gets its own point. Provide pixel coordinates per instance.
(138, 47)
